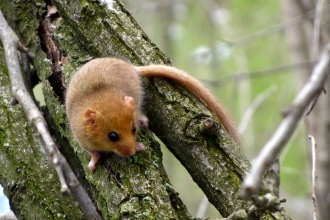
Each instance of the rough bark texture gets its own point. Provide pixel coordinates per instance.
(64, 35)
(29, 180)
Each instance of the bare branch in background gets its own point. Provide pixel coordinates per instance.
(68, 180)
(270, 151)
(274, 29)
(316, 30)
(261, 73)
(252, 108)
(313, 146)
(202, 207)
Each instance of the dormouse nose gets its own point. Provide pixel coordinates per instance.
(127, 150)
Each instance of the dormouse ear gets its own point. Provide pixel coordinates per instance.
(90, 117)
(129, 101)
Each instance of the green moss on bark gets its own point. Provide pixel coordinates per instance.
(139, 187)
(27, 176)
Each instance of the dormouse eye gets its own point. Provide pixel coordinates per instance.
(113, 136)
(133, 129)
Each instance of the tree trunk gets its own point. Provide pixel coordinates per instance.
(64, 35)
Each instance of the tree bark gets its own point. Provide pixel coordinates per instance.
(65, 34)
(29, 180)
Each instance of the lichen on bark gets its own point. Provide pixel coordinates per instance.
(29, 180)
(138, 187)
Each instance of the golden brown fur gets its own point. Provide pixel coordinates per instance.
(195, 87)
(104, 96)
(99, 86)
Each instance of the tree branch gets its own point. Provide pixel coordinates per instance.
(269, 153)
(314, 201)
(279, 27)
(316, 29)
(252, 108)
(260, 73)
(69, 181)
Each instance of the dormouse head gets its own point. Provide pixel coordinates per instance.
(113, 126)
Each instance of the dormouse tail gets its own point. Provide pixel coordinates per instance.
(197, 89)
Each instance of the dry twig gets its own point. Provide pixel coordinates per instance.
(202, 207)
(68, 180)
(270, 151)
(279, 27)
(313, 146)
(252, 108)
(261, 73)
(316, 29)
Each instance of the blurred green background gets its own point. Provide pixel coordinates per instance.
(216, 41)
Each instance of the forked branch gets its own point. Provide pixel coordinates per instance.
(69, 182)
(270, 151)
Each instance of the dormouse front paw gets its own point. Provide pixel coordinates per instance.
(95, 156)
(144, 121)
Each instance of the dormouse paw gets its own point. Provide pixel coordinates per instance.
(95, 156)
(140, 146)
(144, 121)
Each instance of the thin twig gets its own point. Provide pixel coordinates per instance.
(252, 108)
(260, 73)
(316, 29)
(23, 49)
(270, 151)
(68, 180)
(279, 27)
(313, 146)
(315, 101)
(202, 207)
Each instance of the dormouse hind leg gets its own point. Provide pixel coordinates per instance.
(144, 121)
(95, 156)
